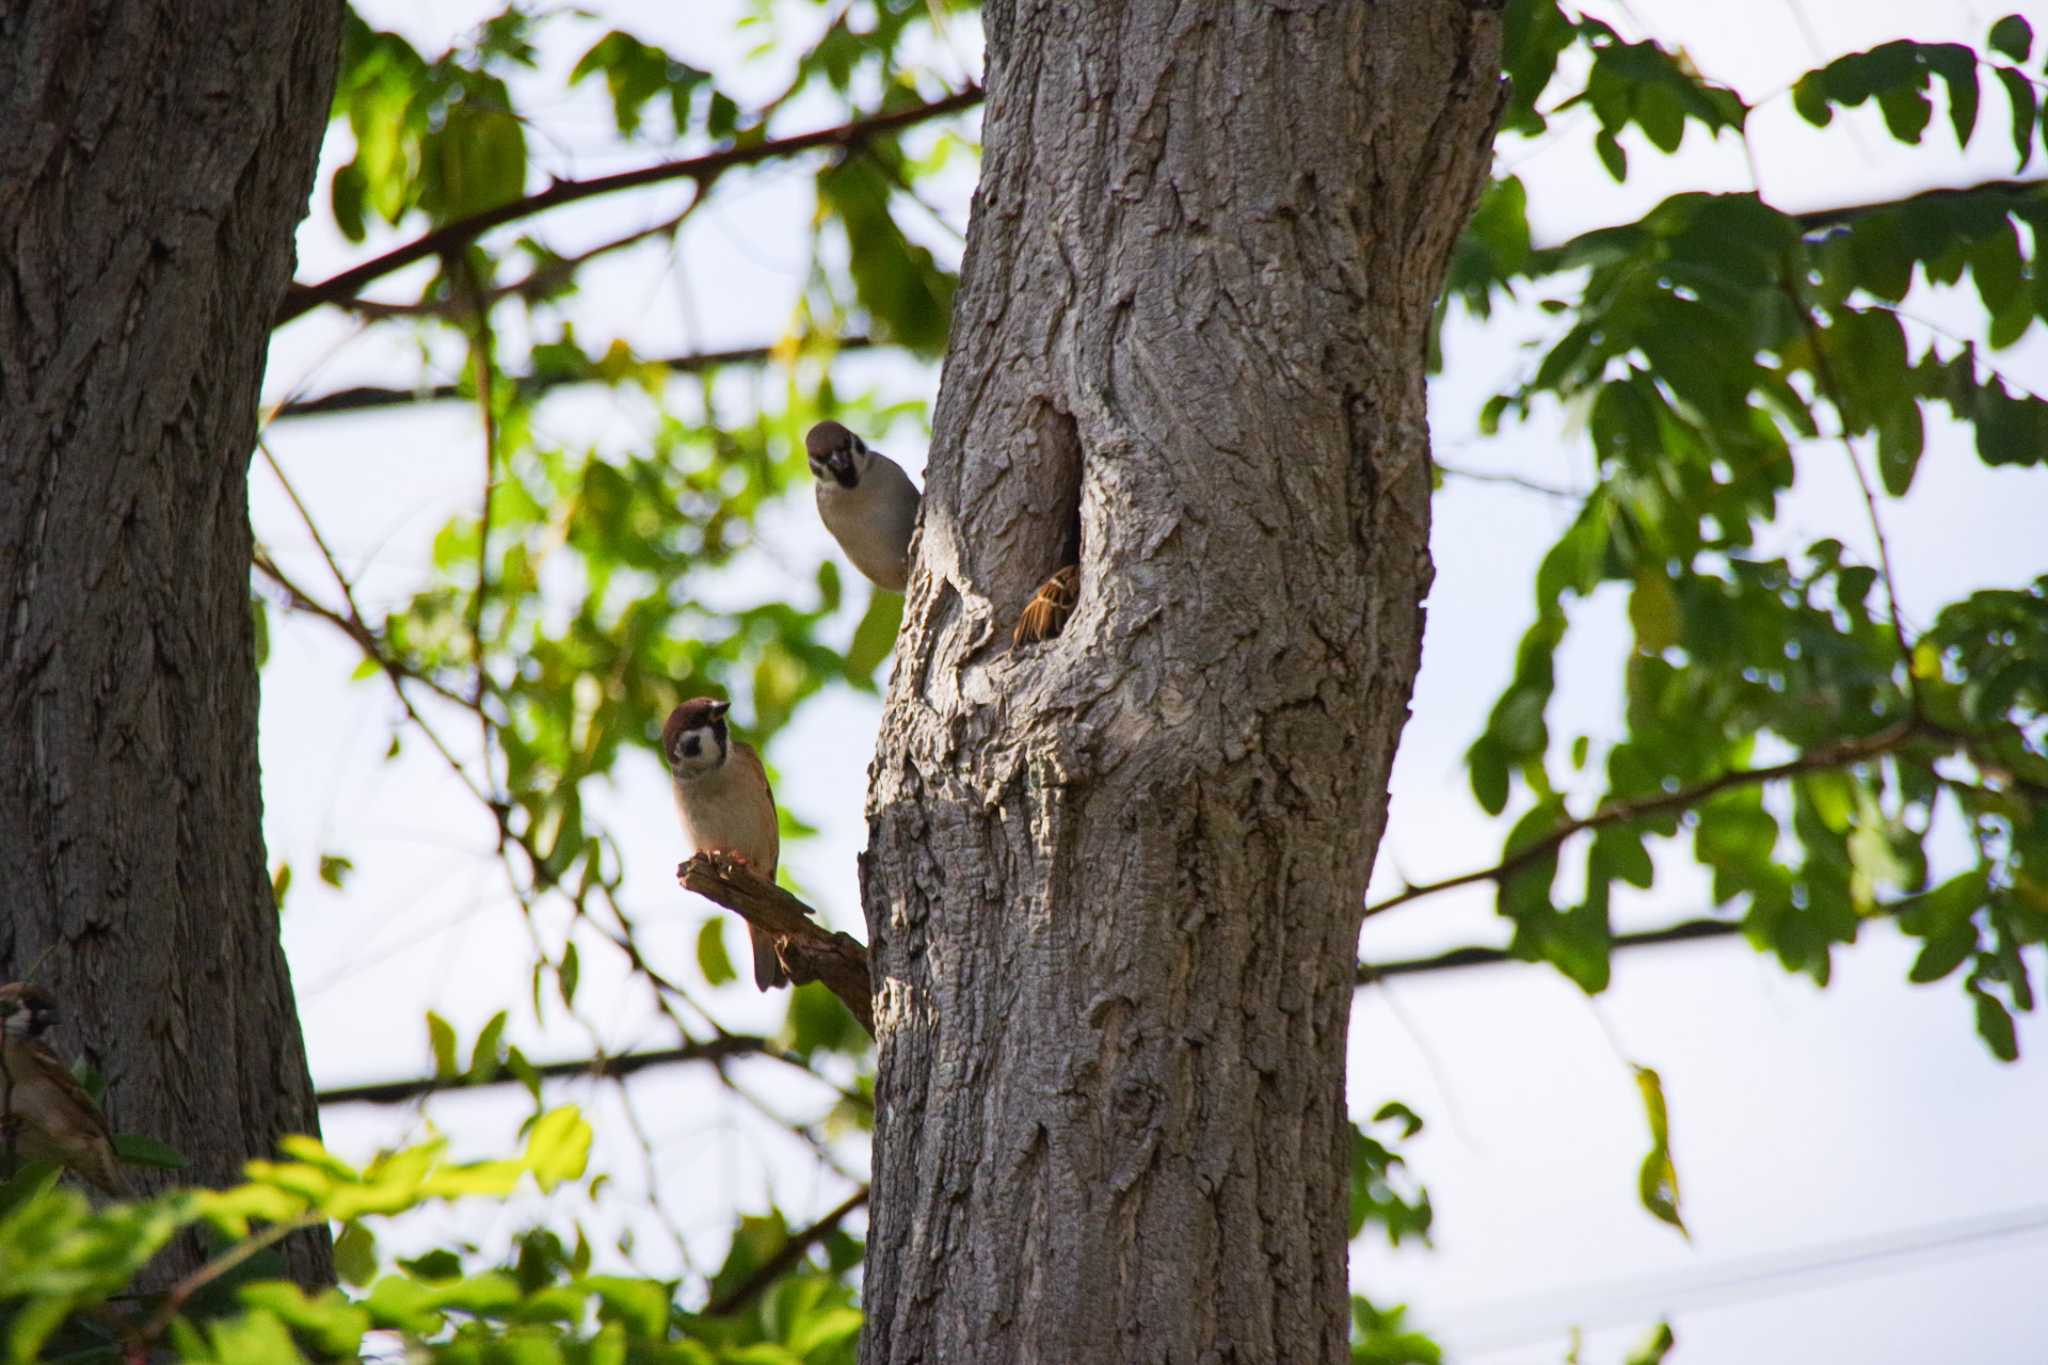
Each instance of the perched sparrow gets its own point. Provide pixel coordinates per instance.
(44, 1111)
(723, 798)
(866, 501)
(1049, 607)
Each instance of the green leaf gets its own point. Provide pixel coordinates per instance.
(818, 1022)
(140, 1149)
(355, 1254)
(1736, 831)
(874, 637)
(1943, 954)
(334, 869)
(1654, 1348)
(1994, 1025)
(569, 974)
(1489, 769)
(2012, 36)
(1957, 67)
(1658, 1179)
(484, 1059)
(1901, 439)
(559, 1147)
(441, 1037)
(2019, 94)
(1618, 852)
(1611, 154)
(1653, 612)
(1381, 1336)
(712, 958)
(332, 1325)
(1906, 114)
(642, 1306)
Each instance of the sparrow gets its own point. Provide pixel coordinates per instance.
(1049, 607)
(722, 796)
(866, 501)
(45, 1113)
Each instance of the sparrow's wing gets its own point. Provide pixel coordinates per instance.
(764, 837)
(764, 828)
(46, 1102)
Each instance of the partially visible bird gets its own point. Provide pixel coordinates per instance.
(722, 795)
(1047, 611)
(866, 501)
(44, 1112)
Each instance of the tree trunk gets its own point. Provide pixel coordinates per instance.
(154, 160)
(1114, 882)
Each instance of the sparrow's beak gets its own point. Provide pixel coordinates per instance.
(838, 463)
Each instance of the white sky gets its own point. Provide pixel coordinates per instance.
(1808, 1125)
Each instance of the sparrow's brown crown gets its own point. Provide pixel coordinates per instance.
(824, 438)
(696, 712)
(28, 1009)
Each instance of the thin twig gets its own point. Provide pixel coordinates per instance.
(406, 1089)
(1823, 373)
(463, 268)
(1817, 760)
(369, 397)
(785, 1257)
(542, 278)
(1513, 480)
(302, 299)
(1685, 931)
(821, 1148)
(297, 599)
(181, 1292)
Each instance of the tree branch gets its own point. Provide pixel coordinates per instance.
(1685, 931)
(1843, 215)
(808, 950)
(605, 1068)
(716, 1050)
(302, 299)
(352, 625)
(366, 398)
(1838, 755)
(785, 1258)
(552, 273)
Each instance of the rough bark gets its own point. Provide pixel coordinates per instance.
(1114, 881)
(155, 158)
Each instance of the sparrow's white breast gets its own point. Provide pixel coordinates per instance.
(872, 521)
(730, 809)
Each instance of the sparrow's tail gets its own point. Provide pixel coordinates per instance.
(768, 972)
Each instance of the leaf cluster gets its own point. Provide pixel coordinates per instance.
(1784, 718)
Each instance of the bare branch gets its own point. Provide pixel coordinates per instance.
(1452, 471)
(365, 398)
(302, 299)
(808, 950)
(720, 1049)
(1685, 931)
(606, 1068)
